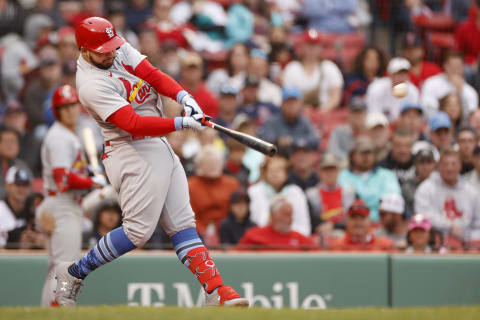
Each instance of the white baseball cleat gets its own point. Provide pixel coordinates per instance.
(225, 296)
(68, 287)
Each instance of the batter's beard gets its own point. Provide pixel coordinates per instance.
(102, 66)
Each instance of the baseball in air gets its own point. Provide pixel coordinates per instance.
(400, 90)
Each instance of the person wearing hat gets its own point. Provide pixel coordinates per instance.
(358, 235)
(227, 106)
(474, 176)
(451, 80)
(424, 163)
(418, 236)
(380, 96)
(378, 129)
(259, 111)
(328, 201)
(302, 164)
(312, 74)
(440, 134)
(414, 52)
(13, 212)
(258, 66)
(238, 220)
(449, 201)
(191, 79)
(279, 233)
(342, 137)
(369, 181)
(467, 140)
(290, 125)
(411, 119)
(234, 165)
(393, 224)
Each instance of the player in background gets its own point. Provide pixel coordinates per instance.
(65, 178)
(121, 90)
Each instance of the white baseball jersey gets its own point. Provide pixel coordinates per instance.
(102, 92)
(61, 149)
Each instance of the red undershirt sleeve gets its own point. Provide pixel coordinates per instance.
(162, 82)
(128, 120)
(67, 180)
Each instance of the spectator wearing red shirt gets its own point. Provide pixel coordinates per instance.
(191, 80)
(421, 69)
(278, 234)
(466, 39)
(358, 236)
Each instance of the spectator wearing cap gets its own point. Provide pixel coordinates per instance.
(358, 235)
(227, 106)
(302, 165)
(238, 220)
(441, 135)
(414, 52)
(411, 119)
(369, 181)
(273, 182)
(290, 125)
(313, 75)
(258, 66)
(259, 111)
(330, 16)
(371, 63)
(451, 80)
(211, 189)
(191, 79)
(342, 137)
(467, 140)
(279, 233)
(425, 164)
(473, 177)
(13, 212)
(418, 236)
(328, 201)
(449, 202)
(380, 96)
(235, 72)
(117, 16)
(392, 220)
(9, 150)
(400, 158)
(38, 92)
(378, 129)
(234, 163)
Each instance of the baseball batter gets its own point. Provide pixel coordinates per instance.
(121, 90)
(65, 179)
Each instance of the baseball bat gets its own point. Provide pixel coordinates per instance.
(91, 149)
(251, 142)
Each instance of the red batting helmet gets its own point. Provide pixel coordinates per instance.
(97, 34)
(65, 94)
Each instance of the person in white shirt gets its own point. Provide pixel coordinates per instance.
(380, 96)
(450, 81)
(314, 73)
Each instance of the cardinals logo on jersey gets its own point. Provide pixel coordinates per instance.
(139, 92)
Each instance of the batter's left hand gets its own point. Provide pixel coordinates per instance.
(190, 107)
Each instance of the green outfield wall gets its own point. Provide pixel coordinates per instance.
(268, 280)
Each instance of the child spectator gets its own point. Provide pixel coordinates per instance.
(238, 221)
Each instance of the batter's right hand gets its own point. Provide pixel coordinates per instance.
(99, 181)
(196, 122)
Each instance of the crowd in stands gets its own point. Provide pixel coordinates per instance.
(358, 168)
